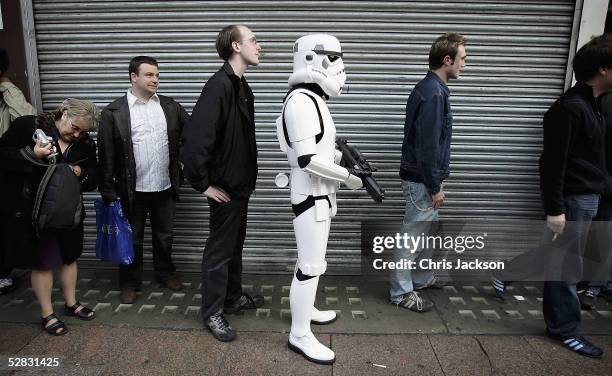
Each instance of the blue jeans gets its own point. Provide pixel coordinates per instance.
(599, 249)
(417, 217)
(561, 306)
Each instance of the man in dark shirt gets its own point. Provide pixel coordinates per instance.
(425, 163)
(572, 177)
(220, 159)
(598, 256)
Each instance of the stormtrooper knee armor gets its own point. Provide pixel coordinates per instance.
(306, 132)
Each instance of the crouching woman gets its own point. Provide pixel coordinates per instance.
(20, 176)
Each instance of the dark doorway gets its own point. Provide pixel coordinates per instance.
(608, 28)
(11, 38)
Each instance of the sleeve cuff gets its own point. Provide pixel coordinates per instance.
(553, 210)
(199, 186)
(433, 189)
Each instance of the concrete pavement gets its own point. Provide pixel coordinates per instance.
(469, 333)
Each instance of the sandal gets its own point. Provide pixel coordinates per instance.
(79, 311)
(58, 328)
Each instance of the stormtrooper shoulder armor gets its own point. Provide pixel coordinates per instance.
(302, 117)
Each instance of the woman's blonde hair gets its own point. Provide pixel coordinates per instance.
(79, 108)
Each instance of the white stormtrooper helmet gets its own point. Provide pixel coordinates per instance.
(317, 58)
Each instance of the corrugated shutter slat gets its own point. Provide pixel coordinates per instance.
(517, 54)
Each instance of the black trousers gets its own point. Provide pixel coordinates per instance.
(222, 259)
(160, 207)
(5, 271)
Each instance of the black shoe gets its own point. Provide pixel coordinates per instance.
(588, 299)
(606, 293)
(499, 287)
(415, 303)
(173, 282)
(246, 301)
(127, 296)
(7, 285)
(582, 346)
(220, 328)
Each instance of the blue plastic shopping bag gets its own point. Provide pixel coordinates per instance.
(114, 234)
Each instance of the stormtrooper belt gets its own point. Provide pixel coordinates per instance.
(308, 203)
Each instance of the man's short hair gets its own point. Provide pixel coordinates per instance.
(446, 44)
(596, 54)
(225, 38)
(4, 61)
(136, 61)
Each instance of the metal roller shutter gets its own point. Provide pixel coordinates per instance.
(517, 57)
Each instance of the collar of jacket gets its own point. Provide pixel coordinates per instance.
(584, 90)
(121, 102)
(120, 109)
(431, 75)
(227, 68)
(132, 99)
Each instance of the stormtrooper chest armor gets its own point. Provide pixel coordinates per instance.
(324, 131)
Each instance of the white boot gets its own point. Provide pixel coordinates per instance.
(301, 339)
(310, 347)
(322, 317)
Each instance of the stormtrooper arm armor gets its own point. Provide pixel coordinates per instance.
(337, 156)
(319, 166)
(302, 127)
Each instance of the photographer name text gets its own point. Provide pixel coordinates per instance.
(430, 264)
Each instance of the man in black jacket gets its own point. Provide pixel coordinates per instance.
(220, 157)
(572, 177)
(138, 146)
(598, 256)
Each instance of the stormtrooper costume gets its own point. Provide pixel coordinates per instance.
(306, 132)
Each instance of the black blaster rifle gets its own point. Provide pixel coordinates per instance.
(353, 158)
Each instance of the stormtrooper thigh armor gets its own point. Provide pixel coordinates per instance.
(311, 238)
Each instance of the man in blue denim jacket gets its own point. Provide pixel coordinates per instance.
(425, 163)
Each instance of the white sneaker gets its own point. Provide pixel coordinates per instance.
(322, 317)
(6, 285)
(6, 282)
(311, 349)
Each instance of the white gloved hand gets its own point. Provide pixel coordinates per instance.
(353, 182)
